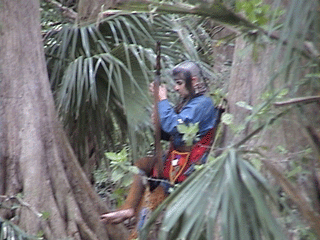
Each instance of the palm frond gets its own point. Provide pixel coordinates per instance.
(228, 193)
(100, 73)
(298, 43)
(10, 231)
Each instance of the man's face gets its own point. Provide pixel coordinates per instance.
(180, 87)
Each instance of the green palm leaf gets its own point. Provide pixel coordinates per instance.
(100, 75)
(228, 192)
(299, 39)
(8, 230)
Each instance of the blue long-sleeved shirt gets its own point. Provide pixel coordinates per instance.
(199, 109)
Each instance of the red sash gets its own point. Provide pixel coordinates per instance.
(177, 163)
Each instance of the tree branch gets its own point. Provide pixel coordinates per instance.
(260, 128)
(66, 12)
(298, 100)
(216, 11)
(22, 203)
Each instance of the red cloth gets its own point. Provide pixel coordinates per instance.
(196, 153)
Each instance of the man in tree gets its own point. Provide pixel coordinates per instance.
(194, 109)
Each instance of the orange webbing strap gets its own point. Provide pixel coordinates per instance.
(179, 161)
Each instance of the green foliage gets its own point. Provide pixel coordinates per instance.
(298, 30)
(119, 196)
(45, 215)
(244, 105)
(292, 174)
(104, 186)
(190, 132)
(281, 149)
(40, 234)
(122, 169)
(217, 94)
(227, 118)
(258, 113)
(50, 16)
(100, 74)
(113, 185)
(290, 217)
(256, 162)
(8, 230)
(255, 10)
(305, 233)
(275, 94)
(298, 165)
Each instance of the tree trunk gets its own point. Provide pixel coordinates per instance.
(249, 77)
(253, 67)
(36, 158)
(248, 80)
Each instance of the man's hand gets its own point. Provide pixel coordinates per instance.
(162, 91)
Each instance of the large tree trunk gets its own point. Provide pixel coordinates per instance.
(36, 158)
(250, 75)
(248, 80)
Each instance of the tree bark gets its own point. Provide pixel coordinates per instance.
(248, 80)
(36, 159)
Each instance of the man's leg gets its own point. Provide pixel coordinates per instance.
(130, 207)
